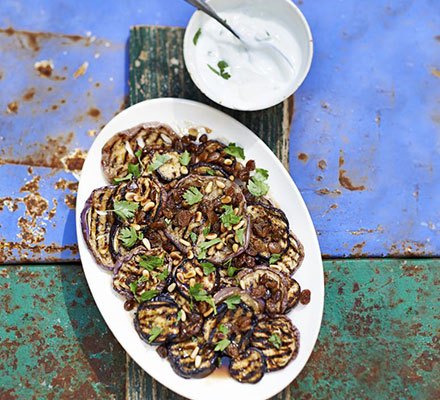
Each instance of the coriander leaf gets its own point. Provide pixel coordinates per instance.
(193, 237)
(125, 178)
(133, 287)
(231, 270)
(194, 339)
(209, 243)
(133, 169)
(274, 258)
(275, 340)
(148, 295)
(128, 236)
(234, 150)
(239, 235)
(155, 332)
(196, 36)
(223, 329)
(158, 161)
(163, 275)
(197, 293)
(192, 195)
(201, 255)
(124, 209)
(138, 155)
(206, 230)
(185, 158)
(168, 221)
(213, 70)
(179, 315)
(223, 65)
(222, 345)
(151, 262)
(208, 268)
(261, 174)
(210, 171)
(219, 361)
(257, 188)
(232, 301)
(228, 217)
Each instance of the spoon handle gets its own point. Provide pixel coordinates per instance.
(207, 9)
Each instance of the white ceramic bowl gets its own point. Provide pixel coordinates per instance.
(285, 13)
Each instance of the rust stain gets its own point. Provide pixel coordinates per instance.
(32, 186)
(54, 107)
(81, 70)
(63, 184)
(70, 201)
(322, 165)
(94, 112)
(333, 206)
(327, 192)
(357, 249)
(409, 248)
(92, 132)
(435, 71)
(53, 210)
(74, 161)
(344, 181)
(437, 37)
(12, 108)
(14, 251)
(29, 95)
(303, 157)
(9, 202)
(44, 68)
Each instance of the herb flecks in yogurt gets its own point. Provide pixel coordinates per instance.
(196, 36)
(222, 65)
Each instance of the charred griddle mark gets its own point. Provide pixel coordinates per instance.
(303, 157)
(344, 181)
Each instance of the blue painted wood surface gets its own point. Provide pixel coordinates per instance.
(364, 144)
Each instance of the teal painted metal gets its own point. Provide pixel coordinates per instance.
(53, 341)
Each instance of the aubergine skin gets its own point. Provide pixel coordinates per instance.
(248, 367)
(160, 312)
(179, 355)
(292, 259)
(276, 358)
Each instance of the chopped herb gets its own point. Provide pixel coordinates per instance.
(133, 170)
(208, 267)
(267, 33)
(159, 160)
(155, 332)
(179, 315)
(163, 275)
(228, 217)
(168, 221)
(219, 361)
(201, 255)
(274, 258)
(185, 158)
(193, 237)
(222, 345)
(222, 65)
(210, 171)
(125, 178)
(209, 243)
(239, 235)
(223, 329)
(257, 185)
(148, 295)
(124, 209)
(232, 301)
(197, 293)
(192, 195)
(194, 339)
(129, 236)
(151, 262)
(234, 150)
(206, 230)
(231, 270)
(196, 36)
(275, 340)
(138, 155)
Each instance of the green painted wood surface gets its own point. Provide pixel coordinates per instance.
(380, 337)
(157, 70)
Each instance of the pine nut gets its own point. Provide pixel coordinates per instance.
(190, 274)
(183, 315)
(175, 255)
(183, 170)
(239, 225)
(236, 210)
(176, 262)
(129, 196)
(228, 161)
(208, 188)
(231, 178)
(220, 184)
(242, 285)
(180, 277)
(136, 227)
(235, 247)
(192, 282)
(198, 362)
(137, 198)
(103, 251)
(219, 246)
(223, 228)
(185, 243)
(146, 243)
(206, 313)
(199, 272)
(172, 287)
(276, 267)
(198, 217)
(211, 236)
(190, 255)
(195, 352)
(145, 272)
(149, 206)
(226, 199)
(211, 251)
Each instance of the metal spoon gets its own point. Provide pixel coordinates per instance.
(207, 9)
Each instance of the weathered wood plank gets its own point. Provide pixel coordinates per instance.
(380, 337)
(53, 341)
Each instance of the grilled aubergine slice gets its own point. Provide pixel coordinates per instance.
(293, 293)
(291, 260)
(248, 367)
(96, 223)
(120, 149)
(192, 358)
(171, 169)
(208, 218)
(268, 285)
(231, 325)
(156, 321)
(270, 231)
(190, 273)
(277, 339)
(141, 271)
